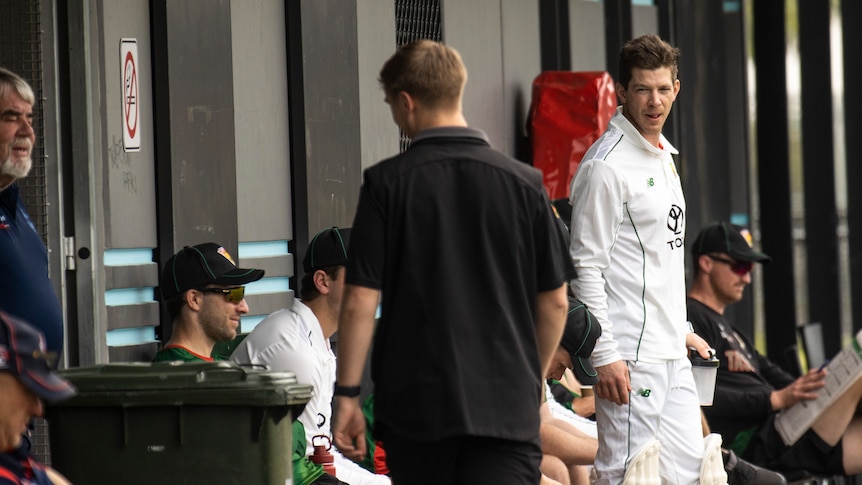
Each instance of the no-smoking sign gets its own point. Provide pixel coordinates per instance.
(131, 102)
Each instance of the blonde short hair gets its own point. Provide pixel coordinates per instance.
(429, 71)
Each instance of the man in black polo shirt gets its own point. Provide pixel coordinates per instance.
(461, 242)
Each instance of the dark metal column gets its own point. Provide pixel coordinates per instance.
(715, 174)
(668, 19)
(554, 33)
(162, 147)
(774, 178)
(705, 166)
(851, 12)
(821, 218)
(298, 159)
(76, 118)
(194, 126)
(618, 31)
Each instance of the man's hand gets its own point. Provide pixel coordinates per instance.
(614, 384)
(696, 341)
(584, 406)
(803, 389)
(348, 427)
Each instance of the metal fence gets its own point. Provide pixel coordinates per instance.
(21, 52)
(414, 20)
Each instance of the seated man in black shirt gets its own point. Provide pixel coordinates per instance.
(750, 389)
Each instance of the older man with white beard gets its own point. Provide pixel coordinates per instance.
(25, 291)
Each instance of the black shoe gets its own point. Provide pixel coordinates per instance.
(741, 472)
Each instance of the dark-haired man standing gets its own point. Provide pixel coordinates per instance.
(628, 233)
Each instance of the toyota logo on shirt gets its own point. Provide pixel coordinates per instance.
(675, 219)
(676, 224)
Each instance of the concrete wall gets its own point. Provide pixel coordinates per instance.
(262, 158)
(521, 64)
(114, 208)
(587, 35)
(262, 171)
(331, 95)
(499, 42)
(375, 34)
(130, 196)
(474, 30)
(130, 188)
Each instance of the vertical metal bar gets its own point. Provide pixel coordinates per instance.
(296, 121)
(774, 175)
(83, 76)
(851, 12)
(618, 30)
(554, 35)
(162, 142)
(821, 218)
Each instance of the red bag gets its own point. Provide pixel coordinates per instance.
(568, 112)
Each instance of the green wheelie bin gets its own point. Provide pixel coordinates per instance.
(176, 423)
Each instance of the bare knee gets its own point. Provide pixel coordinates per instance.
(580, 474)
(554, 468)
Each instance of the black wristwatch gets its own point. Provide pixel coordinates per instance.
(346, 391)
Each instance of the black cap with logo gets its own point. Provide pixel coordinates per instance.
(201, 265)
(721, 237)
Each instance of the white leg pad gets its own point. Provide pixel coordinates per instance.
(643, 468)
(712, 467)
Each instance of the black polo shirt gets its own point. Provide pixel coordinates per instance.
(459, 238)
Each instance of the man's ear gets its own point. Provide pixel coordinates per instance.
(621, 93)
(194, 299)
(704, 263)
(407, 102)
(321, 282)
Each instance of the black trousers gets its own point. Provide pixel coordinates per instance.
(462, 460)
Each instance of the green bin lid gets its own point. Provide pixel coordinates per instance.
(180, 383)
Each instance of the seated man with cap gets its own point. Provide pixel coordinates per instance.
(564, 394)
(26, 379)
(750, 389)
(574, 397)
(296, 339)
(204, 293)
(560, 438)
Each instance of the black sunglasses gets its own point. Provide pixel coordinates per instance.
(741, 268)
(233, 295)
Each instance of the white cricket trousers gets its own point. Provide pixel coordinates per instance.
(664, 405)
